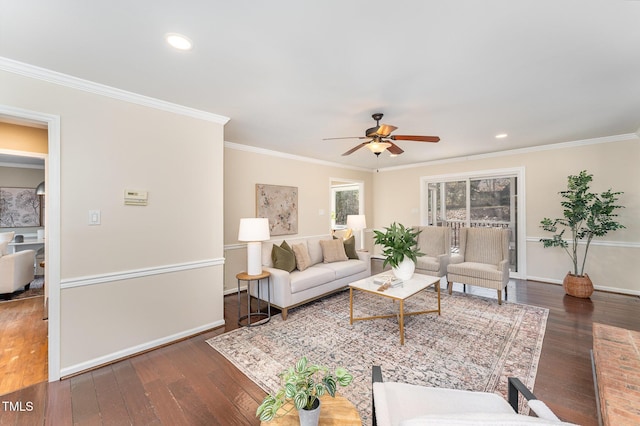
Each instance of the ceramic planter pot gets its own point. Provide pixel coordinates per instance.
(578, 286)
(310, 417)
(405, 269)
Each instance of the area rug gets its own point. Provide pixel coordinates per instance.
(475, 344)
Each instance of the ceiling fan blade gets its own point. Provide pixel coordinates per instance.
(385, 130)
(394, 149)
(355, 148)
(346, 137)
(415, 138)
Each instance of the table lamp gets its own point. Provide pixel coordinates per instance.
(357, 222)
(254, 230)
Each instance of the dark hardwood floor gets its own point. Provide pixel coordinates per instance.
(189, 383)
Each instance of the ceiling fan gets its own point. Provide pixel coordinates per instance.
(380, 138)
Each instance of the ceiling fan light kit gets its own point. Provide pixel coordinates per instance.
(381, 138)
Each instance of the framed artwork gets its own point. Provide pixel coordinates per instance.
(19, 208)
(279, 204)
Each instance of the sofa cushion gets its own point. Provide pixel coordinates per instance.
(283, 257)
(476, 270)
(333, 251)
(346, 268)
(310, 277)
(428, 263)
(303, 261)
(315, 250)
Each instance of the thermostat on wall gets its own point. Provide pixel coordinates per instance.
(135, 198)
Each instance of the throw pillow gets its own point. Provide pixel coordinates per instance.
(333, 251)
(303, 261)
(350, 248)
(283, 257)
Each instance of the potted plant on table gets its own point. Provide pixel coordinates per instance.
(302, 385)
(586, 215)
(400, 248)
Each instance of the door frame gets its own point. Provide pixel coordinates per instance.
(52, 225)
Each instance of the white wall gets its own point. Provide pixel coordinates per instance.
(146, 275)
(612, 263)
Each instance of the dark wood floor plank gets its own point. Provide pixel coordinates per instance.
(86, 410)
(166, 407)
(59, 408)
(139, 407)
(112, 406)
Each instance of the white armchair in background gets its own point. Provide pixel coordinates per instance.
(16, 271)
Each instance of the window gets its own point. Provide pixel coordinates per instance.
(476, 200)
(346, 199)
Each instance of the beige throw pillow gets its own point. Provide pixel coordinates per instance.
(303, 261)
(333, 251)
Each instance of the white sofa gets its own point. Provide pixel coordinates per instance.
(16, 271)
(291, 289)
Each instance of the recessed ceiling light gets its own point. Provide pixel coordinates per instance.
(501, 136)
(179, 41)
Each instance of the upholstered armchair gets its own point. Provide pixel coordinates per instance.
(485, 260)
(405, 404)
(16, 271)
(435, 243)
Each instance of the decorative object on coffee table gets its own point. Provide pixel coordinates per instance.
(399, 247)
(302, 386)
(586, 215)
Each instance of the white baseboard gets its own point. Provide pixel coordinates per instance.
(124, 353)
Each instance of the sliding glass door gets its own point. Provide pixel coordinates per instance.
(486, 199)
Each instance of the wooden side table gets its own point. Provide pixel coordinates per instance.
(338, 411)
(266, 316)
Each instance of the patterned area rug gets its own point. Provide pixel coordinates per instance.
(475, 344)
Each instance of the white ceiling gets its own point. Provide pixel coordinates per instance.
(289, 73)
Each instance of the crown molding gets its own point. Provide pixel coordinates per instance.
(539, 148)
(263, 151)
(55, 77)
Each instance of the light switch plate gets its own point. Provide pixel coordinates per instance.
(94, 217)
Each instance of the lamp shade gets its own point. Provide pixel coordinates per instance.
(356, 221)
(378, 147)
(254, 229)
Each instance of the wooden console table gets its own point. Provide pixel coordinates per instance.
(616, 357)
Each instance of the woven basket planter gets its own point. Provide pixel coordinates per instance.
(578, 286)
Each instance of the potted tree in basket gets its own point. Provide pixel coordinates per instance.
(400, 248)
(302, 385)
(586, 215)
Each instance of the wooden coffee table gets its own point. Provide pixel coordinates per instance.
(416, 284)
(336, 411)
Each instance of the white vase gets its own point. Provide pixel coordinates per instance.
(310, 417)
(405, 269)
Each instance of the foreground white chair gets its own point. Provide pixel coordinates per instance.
(402, 404)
